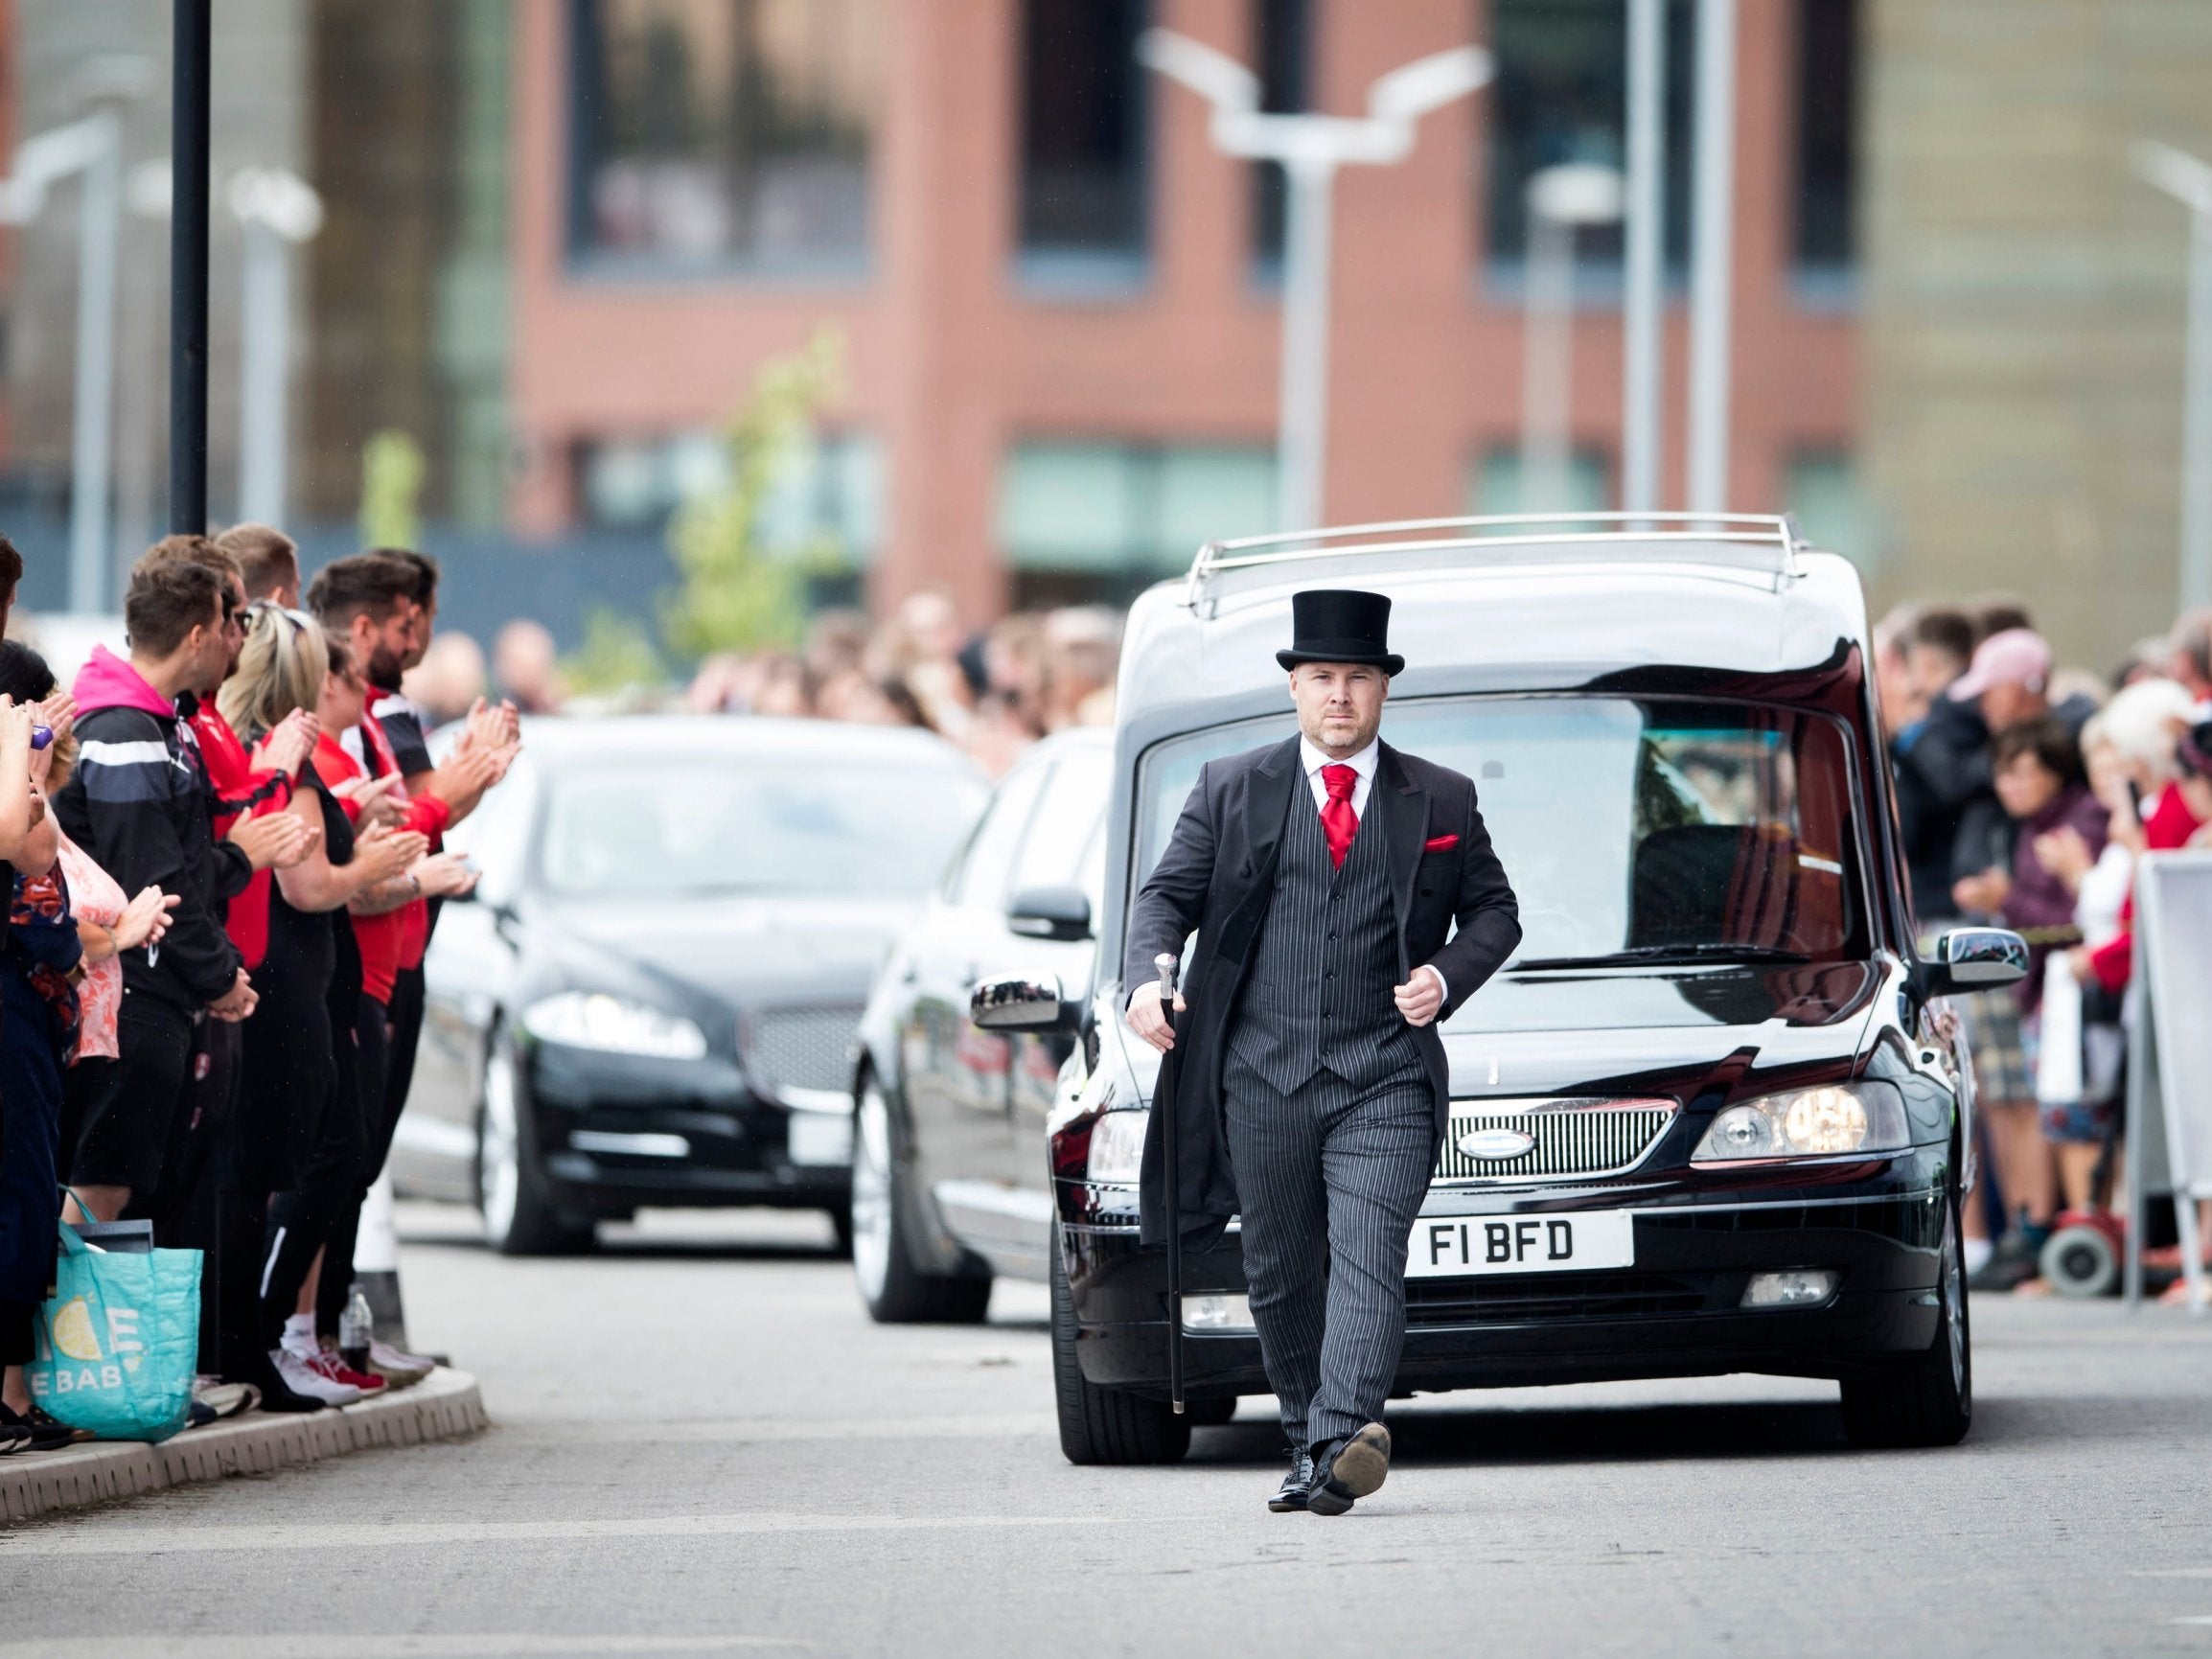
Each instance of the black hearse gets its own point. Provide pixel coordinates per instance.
(1712, 1116)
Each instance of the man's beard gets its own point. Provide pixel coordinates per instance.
(384, 666)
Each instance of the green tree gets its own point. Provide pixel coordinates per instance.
(738, 594)
(392, 471)
(617, 654)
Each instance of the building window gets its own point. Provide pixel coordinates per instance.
(1826, 103)
(718, 135)
(1083, 153)
(1282, 52)
(824, 503)
(1083, 521)
(1561, 95)
(1824, 493)
(1495, 486)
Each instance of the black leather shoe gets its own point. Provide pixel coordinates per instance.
(1350, 1469)
(1292, 1494)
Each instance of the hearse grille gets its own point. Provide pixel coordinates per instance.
(1574, 1139)
(1434, 1302)
(800, 1048)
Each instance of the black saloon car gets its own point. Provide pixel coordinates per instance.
(1716, 1114)
(651, 998)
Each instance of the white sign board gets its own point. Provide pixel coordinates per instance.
(2170, 1071)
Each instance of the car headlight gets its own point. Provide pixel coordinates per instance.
(1117, 1147)
(594, 1020)
(1833, 1121)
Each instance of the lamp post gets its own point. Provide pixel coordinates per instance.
(191, 22)
(2189, 181)
(1560, 201)
(91, 147)
(1310, 149)
(279, 210)
(1713, 241)
(1646, 211)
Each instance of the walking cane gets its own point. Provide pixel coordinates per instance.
(1171, 1075)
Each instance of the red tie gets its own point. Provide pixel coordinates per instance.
(1338, 821)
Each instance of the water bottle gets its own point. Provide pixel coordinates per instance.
(356, 1330)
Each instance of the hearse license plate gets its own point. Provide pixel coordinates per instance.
(1455, 1246)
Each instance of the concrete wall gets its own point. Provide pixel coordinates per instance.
(2023, 303)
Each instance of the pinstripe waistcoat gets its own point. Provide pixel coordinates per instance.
(1318, 990)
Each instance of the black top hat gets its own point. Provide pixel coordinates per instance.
(1340, 625)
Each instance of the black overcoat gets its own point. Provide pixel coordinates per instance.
(1216, 879)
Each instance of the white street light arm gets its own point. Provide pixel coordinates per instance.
(2175, 171)
(1413, 89)
(278, 199)
(44, 161)
(1214, 76)
(1314, 142)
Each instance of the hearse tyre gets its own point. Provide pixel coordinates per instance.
(1099, 1425)
(1929, 1399)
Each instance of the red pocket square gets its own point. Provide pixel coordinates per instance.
(1439, 844)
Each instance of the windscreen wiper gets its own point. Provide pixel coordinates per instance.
(1708, 951)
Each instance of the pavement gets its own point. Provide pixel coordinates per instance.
(700, 1445)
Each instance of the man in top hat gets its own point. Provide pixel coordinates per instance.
(1323, 876)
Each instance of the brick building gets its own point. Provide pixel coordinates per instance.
(1059, 303)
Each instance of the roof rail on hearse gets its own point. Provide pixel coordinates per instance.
(1760, 544)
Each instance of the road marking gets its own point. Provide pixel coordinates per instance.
(588, 1431)
(95, 1539)
(505, 1645)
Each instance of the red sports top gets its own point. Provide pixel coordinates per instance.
(409, 925)
(239, 791)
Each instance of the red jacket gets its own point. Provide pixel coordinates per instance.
(2170, 825)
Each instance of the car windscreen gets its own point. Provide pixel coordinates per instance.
(1633, 829)
(724, 824)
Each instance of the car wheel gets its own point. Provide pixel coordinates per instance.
(841, 1220)
(896, 1290)
(520, 1217)
(1928, 1400)
(1105, 1425)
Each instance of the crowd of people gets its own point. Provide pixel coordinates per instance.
(225, 857)
(2025, 794)
(992, 692)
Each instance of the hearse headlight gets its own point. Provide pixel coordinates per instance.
(593, 1020)
(1833, 1121)
(1117, 1147)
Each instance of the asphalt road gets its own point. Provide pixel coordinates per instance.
(703, 1447)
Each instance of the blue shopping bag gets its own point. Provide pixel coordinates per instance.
(119, 1340)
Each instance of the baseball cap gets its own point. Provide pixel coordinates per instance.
(2016, 656)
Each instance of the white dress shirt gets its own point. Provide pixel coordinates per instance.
(1364, 764)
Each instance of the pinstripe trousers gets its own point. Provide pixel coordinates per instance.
(1329, 1180)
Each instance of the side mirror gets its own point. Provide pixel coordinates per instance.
(1021, 1004)
(1062, 913)
(1976, 960)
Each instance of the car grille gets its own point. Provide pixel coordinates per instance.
(1574, 1139)
(800, 1048)
(1565, 1295)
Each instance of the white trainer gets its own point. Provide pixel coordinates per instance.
(300, 1376)
(396, 1363)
